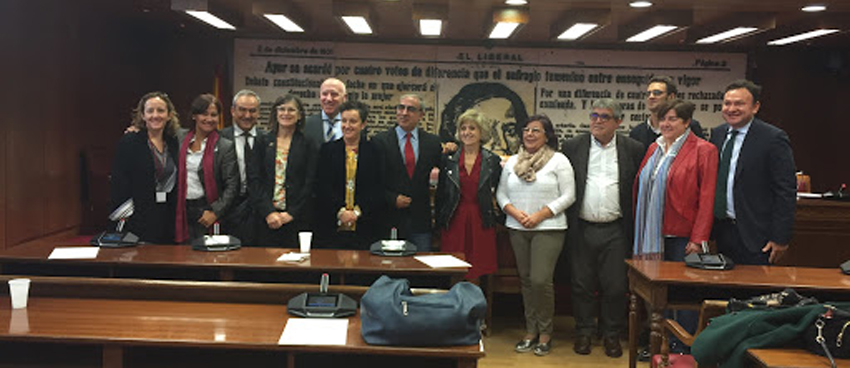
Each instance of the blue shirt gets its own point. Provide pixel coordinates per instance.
(733, 165)
(337, 126)
(402, 140)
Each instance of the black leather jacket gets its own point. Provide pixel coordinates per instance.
(448, 188)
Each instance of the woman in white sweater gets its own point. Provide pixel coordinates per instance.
(536, 187)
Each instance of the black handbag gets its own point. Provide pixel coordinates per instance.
(391, 315)
(830, 334)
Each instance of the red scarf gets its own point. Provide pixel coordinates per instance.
(181, 233)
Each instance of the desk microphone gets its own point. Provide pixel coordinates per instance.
(323, 285)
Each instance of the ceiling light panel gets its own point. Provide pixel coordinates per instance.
(577, 31)
(284, 23)
(357, 24)
(430, 27)
(730, 34)
(651, 33)
(210, 19)
(802, 36)
(503, 30)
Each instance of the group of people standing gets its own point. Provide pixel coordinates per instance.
(604, 196)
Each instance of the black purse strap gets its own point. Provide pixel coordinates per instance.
(820, 340)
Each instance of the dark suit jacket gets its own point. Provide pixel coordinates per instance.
(417, 217)
(133, 177)
(300, 170)
(330, 192)
(765, 184)
(314, 128)
(629, 155)
(647, 137)
(225, 171)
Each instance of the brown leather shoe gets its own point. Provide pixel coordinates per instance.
(582, 345)
(612, 346)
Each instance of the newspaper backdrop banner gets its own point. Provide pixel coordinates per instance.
(506, 84)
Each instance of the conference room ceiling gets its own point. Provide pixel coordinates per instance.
(468, 22)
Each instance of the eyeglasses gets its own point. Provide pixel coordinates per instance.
(411, 109)
(600, 117)
(286, 109)
(656, 92)
(528, 130)
(243, 110)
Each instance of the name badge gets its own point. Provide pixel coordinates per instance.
(160, 197)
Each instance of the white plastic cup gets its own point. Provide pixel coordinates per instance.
(304, 239)
(19, 290)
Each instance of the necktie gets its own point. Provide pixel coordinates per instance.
(248, 150)
(722, 176)
(329, 135)
(409, 156)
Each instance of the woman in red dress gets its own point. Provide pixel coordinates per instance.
(466, 210)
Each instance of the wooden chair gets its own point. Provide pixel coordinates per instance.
(708, 310)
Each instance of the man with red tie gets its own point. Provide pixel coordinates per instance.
(409, 154)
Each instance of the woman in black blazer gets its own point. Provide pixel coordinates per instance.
(349, 185)
(145, 170)
(208, 180)
(280, 175)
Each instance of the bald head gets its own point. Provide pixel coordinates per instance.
(332, 95)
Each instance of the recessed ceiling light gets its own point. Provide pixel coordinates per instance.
(813, 8)
(640, 4)
(516, 2)
(650, 33)
(284, 23)
(503, 30)
(210, 19)
(430, 27)
(802, 36)
(576, 31)
(732, 33)
(358, 25)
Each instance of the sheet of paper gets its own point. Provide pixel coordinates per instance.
(74, 253)
(314, 331)
(809, 195)
(442, 261)
(294, 257)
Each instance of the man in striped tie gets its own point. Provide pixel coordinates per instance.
(325, 126)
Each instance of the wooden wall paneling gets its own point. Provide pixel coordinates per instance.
(25, 125)
(61, 144)
(8, 26)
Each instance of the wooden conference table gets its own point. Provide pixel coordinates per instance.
(245, 264)
(652, 281)
(113, 323)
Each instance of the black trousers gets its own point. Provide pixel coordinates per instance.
(599, 273)
(729, 243)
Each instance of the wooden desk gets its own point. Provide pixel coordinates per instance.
(788, 358)
(652, 280)
(248, 263)
(821, 234)
(132, 332)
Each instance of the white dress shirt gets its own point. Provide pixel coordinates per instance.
(194, 183)
(602, 192)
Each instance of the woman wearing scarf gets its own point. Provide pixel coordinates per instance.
(145, 170)
(674, 195)
(208, 181)
(536, 186)
(674, 189)
(349, 185)
(280, 175)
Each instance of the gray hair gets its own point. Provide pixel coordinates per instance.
(246, 92)
(418, 99)
(610, 104)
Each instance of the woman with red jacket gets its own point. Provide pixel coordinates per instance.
(674, 189)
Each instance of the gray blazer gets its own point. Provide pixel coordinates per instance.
(225, 172)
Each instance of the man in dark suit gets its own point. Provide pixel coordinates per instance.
(409, 155)
(756, 186)
(661, 88)
(325, 126)
(600, 224)
(243, 132)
